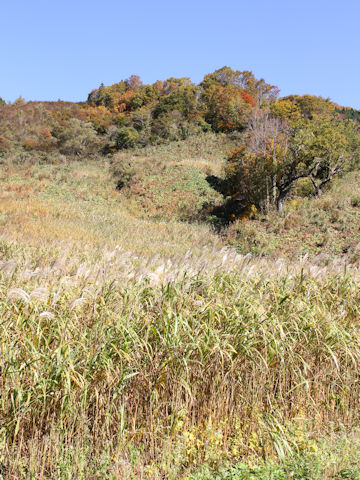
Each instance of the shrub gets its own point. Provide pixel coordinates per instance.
(5, 144)
(30, 144)
(355, 201)
(124, 169)
(76, 137)
(126, 137)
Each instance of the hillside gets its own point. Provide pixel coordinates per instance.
(169, 185)
(179, 284)
(323, 228)
(130, 342)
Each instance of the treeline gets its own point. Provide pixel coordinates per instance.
(177, 108)
(281, 141)
(349, 113)
(130, 113)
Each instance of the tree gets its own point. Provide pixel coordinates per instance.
(134, 82)
(287, 111)
(277, 155)
(20, 101)
(245, 183)
(5, 145)
(99, 116)
(268, 138)
(173, 126)
(226, 108)
(265, 93)
(76, 137)
(126, 137)
(311, 106)
(183, 99)
(226, 76)
(329, 146)
(349, 113)
(172, 84)
(243, 80)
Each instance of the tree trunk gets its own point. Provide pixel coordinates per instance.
(274, 189)
(318, 189)
(267, 207)
(319, 186)
(280, 200)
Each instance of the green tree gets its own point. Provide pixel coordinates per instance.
(76, 137)
(172, 126)
(276, 156)
(328, 147)
(183, 99)
(126, 137)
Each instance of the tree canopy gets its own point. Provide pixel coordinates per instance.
(281, 140)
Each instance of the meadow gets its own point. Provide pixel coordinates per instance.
(135, 347)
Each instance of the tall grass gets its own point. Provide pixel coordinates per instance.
(135, 349)
(108, 374)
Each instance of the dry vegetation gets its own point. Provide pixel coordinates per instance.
(324, 228)
(170, 181)
(141, 349)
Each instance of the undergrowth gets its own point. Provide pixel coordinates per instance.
(170, 181)
(324, 228)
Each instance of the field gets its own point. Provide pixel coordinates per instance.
(137, 346)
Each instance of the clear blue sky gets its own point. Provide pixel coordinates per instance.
(54, 49)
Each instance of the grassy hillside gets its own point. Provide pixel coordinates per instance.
(324, 228)
(169, 182)
(139, 348)
(77, 202)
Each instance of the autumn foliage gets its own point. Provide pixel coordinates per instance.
(280, 140)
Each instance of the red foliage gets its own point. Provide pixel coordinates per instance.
(248, 98)
(46, 133)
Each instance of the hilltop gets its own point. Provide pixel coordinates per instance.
(270, 145)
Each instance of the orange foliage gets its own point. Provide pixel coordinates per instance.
(46, 133)
(248, 98)
(30, 144)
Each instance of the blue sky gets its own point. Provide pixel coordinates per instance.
(63, 49)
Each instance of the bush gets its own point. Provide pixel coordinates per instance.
(30, 144)
(124, 169)
(126, 137)
(304, 188)
(77, 137)
(5, 144)
(355, 201)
